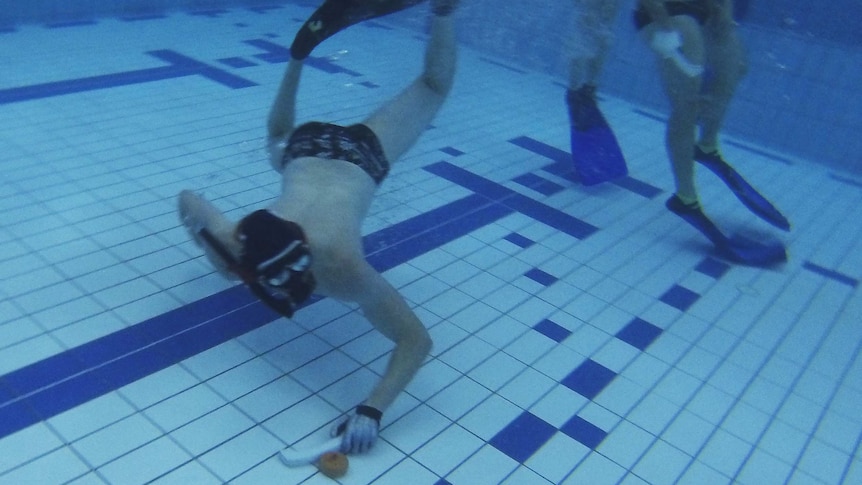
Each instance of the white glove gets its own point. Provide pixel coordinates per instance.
(359, 431)
(667, 44)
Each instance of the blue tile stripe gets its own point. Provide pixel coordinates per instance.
(712, 267)
(542, 149)
(846, 180)
(452, 151)
(831, 274)
(552, 330)
(541, 277)
(178, 66)
(143, 17)
(539, 184)
(589, 379)
(519, 240)
(509, 198)
(521, 438)
(212, 13)
(61, 382)
(584, 432)
(638, 187)
(679, 297)
(564, 168)
(763, 153)
(639, 334)
(236, 62)
(70, 23)
(277, 54)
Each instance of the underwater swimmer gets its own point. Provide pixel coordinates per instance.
(692, 38)
(309, 240)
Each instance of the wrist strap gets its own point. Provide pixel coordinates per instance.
(370, 412)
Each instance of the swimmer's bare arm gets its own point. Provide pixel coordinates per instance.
(198, 213)
(387, 311)
(282, 114)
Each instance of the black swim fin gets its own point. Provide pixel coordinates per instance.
(595, 152)
(336, 15)
(736, 249)
(747, 194)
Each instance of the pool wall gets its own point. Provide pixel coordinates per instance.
(801, 97)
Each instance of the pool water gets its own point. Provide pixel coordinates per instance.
(582, 335)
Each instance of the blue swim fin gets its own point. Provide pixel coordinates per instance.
(336, 15)
(747, 194)
(595, 152)
(736, 249)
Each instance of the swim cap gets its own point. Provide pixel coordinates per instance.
(275, 260)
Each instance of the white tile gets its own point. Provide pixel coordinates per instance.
(158, 386)
(701, 473)
(688, 432)
(677, 386)
(185, 407)
(240, 453)
(58, 466)
(419, 426)
(467, 354)
(527, 388)
(626, 444)
(146, 463)
(498, 370)
(211, 430)
(662, 464)
(117, 439)
(725, 453)
(459, 398)
(711, 404)
(621, 395)
(597, 469)
(488, 466)
(490, 417)
(557, 458)
(27, 444)
(407, 471)
(654, 413)
(448, 450)
(299, 421)
(823, 461)
(91, 416)
(762, 467)
(522, 474)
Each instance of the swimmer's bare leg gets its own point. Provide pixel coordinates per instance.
(400, 122)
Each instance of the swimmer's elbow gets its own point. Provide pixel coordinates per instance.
(440, 85)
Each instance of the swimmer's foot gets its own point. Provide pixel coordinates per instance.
(583, 110)
(737, 249)
(693, 214)
(336, 15)
(747, 194)
(442, 8)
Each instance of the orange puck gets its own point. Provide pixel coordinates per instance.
(333, 464)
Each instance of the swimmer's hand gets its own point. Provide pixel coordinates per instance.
(667, 44)
(198, 213)
(359, 431)
(191, 213)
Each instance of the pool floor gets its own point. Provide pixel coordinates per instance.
(582, 335)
